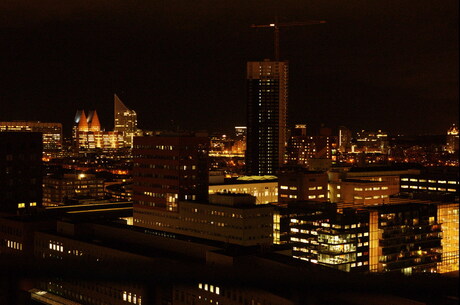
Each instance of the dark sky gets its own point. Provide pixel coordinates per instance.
(389, 65)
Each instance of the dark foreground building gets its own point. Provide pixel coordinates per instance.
(20, 171)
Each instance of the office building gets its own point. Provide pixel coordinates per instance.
(267, 85)
(357, 192)
(88, 135)
(21, 171)
(452, 139)
(240, 132)
(264, 188)
(58, 190)
(51, 132)
(300, 184)
(168, 169)
(125, 121)
(371, 142)
(402, 236)
(315, 152)
(431, 183)
(300, 148)
(227, 218)
(345, 137)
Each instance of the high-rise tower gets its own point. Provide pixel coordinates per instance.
(266, 116)
(125, 121)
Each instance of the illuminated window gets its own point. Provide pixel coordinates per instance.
(33, 204)
(414, 180)
(404, 179)
(293, 188)
(451, 190)
(283, 187)
(432, 181)
(312, 197)
(442, 181)
(319, 188)
(358, 189)
(384, 187)
(312, 188)
(452, 182)
(432, 188)
(21, 205)
(404, 186)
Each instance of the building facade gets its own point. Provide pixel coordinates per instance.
(51, 132)
(452, 142)
(125, 121)
(267, 84)
(227, 218)
(168, 169)
(88, 135)
(21, 171)
(301, 184)
(57, 190)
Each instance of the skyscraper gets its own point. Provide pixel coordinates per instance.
(125, 121)
(267, 84)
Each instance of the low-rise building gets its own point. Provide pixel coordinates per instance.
(228, 218)
(58, 189)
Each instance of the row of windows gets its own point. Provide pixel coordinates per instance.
(376, 188)
(430, 188)
(430, 181)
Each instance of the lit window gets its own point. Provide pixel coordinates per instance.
(358, 189)
(33, 204)
(452, 182)
(283, 187)
(21, 205)
(312, 197)
(293, 188)
(414, 180)
(404, 186)
(442, 181)
(404, 179)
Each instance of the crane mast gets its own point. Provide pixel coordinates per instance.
(276, 30)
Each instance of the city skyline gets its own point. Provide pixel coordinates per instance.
(382, 66)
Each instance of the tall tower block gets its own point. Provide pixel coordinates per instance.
(125, 121)
(267, 84)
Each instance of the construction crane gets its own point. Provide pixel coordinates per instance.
(276, 27)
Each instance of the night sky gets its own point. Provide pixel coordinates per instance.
(389, 65)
